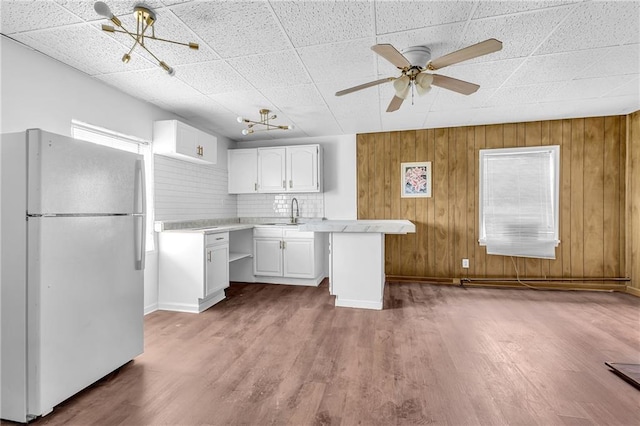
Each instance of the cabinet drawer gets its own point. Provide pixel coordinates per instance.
(292, 233)
(271, 232)
(217, 238)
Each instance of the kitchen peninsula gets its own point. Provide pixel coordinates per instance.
(356, 259)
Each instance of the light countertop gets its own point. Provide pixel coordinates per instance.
(370, 226)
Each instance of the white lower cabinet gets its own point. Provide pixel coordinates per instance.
(288, 256)
(217, 264)
(193, 270)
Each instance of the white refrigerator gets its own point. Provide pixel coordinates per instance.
(72, 261)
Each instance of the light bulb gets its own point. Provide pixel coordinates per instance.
(401, 86)
(245, 132)
(102, 9)
(290, 127)
(423, 83)
(240, 119)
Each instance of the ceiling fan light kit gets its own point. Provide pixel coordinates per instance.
(145, 20)
(264, 121)
(415, 63)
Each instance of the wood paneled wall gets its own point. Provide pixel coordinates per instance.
(633, 203)
(592, 198)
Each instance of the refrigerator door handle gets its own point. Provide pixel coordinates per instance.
(140, 228)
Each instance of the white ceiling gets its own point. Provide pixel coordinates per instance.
(560, 59)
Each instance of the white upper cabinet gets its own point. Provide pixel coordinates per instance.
(279, 169)
(179, 140)
(243, 171)
(302, 168)
(271, 170)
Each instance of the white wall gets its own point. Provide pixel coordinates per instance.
(339, 171)
(39, 92)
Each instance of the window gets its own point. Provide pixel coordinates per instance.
(519, 193)
(101, 136)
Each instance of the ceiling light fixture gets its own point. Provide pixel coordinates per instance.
(264, 121)
(145, 18)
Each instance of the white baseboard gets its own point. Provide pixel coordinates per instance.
(363, 304)
(150, 308)
(308, 282)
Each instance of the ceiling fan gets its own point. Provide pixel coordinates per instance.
(414, 73)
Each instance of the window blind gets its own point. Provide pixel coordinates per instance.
(519, 195)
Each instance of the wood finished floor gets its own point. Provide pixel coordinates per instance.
(274, 354)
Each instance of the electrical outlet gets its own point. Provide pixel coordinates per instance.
(465, 263)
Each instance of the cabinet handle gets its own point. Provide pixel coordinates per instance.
(255, 186)
(290, 184)
(284, 245)
(220, 238)
(209, 255)
(284, 183)
(280, 245)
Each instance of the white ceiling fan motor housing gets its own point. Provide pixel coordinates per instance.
(418, 56)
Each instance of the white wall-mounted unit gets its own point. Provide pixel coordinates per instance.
(243, 171)
(278, 169)
(176, 139)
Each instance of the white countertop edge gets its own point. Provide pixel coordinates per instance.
(361, 226)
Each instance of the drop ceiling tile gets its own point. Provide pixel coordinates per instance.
(486, 74)
(193, 106)
(340, 62)
(120, 8)
(395, 16)
(520, 34)
(151, 84)
(234, 28)
(244, 103)
(549, 68)
(457, 118)
(588, 88)
(359, 124)
(292, 96)
(403, 119)
(27, 15)
(522, 95)
(506, 114)
(318, 22)
(497, 8)
(618, 60)
(212, 77)
(596, 24)
(442, 39)
(631, 88)
(78, 45)
(579, 108)
(277, 69)
(315, 121)
(448, 100)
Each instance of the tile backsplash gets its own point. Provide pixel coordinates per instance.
(279, 205)
(189, 191)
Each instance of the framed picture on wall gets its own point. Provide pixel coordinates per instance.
(415, 179)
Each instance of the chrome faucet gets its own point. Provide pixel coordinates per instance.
(294, 219)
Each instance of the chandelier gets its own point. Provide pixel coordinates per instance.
(145, 20)
(264, 121)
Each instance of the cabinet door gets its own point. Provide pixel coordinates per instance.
(302, 169)
(271, 169)
(217, 268)
(267, 257)
(186, 140)
(243, 171)
(298, 258)
(207, 147)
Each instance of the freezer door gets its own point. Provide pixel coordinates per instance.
(68, 176)
(85, 304)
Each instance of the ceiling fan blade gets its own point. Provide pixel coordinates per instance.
(364, 86)
(482, 48)
(395, 103)
(392, 55)
(454, 84)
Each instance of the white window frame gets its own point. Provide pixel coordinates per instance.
(523, 239)
(107, 137)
